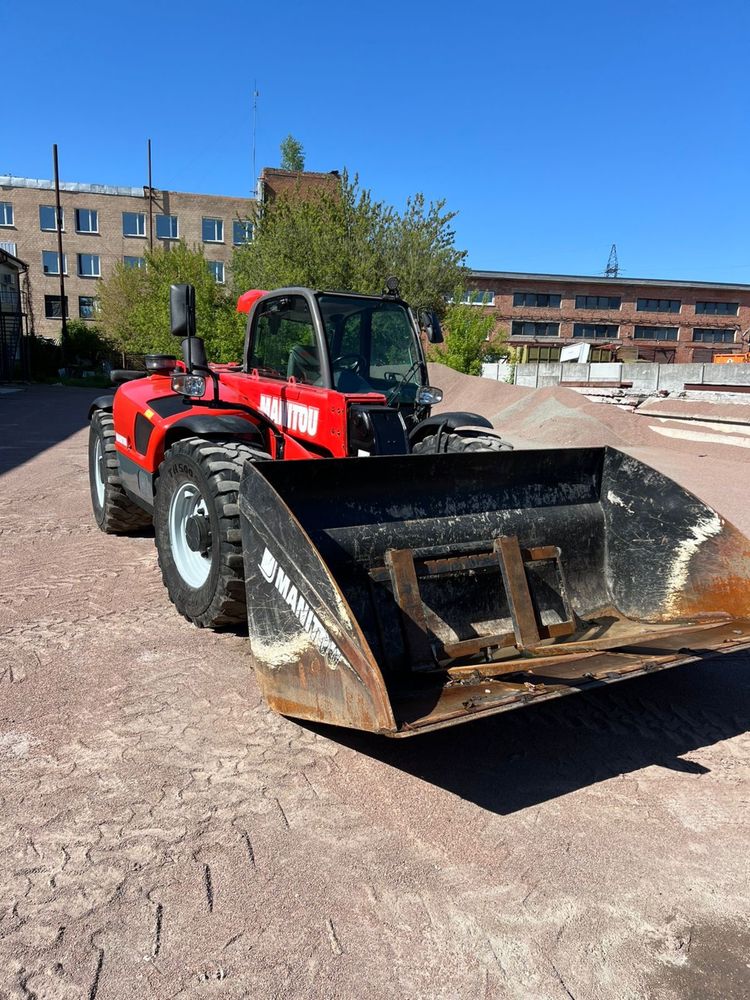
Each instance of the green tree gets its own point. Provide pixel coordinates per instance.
(134, 305)
(292, 154)
(341, 238)
(471, 337)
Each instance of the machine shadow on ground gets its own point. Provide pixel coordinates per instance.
(38, 417)
(530, 755)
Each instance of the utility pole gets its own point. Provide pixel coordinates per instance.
(150, 203)
(612, 269)
(60, 258)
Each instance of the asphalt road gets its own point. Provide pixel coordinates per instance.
(162, 834)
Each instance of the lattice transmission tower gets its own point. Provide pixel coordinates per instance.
(612, 269)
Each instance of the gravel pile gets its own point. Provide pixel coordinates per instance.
(556, 416)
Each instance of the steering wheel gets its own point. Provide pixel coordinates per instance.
(356, 363)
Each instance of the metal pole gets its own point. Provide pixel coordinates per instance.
(255, 121)
(150, 202)
(60, 258)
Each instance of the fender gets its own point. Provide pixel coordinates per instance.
(213, 425)
(449, 422)
(104, 402)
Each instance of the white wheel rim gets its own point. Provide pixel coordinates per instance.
(98, 478)
(192, 566)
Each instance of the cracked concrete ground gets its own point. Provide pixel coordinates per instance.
(162, 834)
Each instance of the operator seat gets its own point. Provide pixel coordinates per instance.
(304, 364)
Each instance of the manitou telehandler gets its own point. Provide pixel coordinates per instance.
(399, 571)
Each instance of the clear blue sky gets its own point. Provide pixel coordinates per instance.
(553, 128)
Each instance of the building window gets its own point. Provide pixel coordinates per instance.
(522, 328)
(51, 262)
(478, 297)
(598, 301)
(658, 305)
(89, 265)
(87, 220)
(542, 354)
(704, 336)
(134, 261)
(213, 230)
(596, 331)
(166, 227)
(655, 333)
(8, 247)
(242, 232)
(216, 267)
(717, 308)
(86, 306)
(133, 223)
(6, 213)
(48, 218)
(536, 300)
(52, 308)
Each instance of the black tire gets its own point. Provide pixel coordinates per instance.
(457, 442)
(114, 511)
(210, 471)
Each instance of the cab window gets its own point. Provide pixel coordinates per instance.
(283, 341)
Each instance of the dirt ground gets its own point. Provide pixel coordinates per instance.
(162, 834)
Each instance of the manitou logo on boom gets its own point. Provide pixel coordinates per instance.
(292, 416)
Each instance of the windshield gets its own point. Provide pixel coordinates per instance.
(372, 346)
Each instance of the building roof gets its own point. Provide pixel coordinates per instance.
(599, 279)
(11, 261)
(266, 171)
(9, 181)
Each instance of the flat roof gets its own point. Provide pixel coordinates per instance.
(601, 280)
(9, 181)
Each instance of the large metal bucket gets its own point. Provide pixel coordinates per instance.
(398, 595)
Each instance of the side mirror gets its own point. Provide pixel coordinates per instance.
(182, 310)
(427, 395)
(429, 324)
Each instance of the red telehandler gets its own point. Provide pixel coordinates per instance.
(399, 571)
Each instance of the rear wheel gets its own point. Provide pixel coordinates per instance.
(114, 511)
(197, 527)
(466, 441)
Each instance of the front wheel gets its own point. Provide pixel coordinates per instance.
(197, 528)
(431, 444)
(114, 511)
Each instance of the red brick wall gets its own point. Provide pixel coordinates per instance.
(626, 317)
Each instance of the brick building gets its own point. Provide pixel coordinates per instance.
(103, 225)
(623, 319)
(274, 181)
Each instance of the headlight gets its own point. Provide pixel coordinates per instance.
(189, 385)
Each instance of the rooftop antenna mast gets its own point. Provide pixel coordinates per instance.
(256, 95)
(612, 269)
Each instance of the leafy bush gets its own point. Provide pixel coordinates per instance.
(471, 337)
(86, 343)
(134, 305)
(45, 358)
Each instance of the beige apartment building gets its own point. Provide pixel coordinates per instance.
(102, 226)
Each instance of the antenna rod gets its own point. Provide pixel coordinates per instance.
(60, 258)
(255, 121)
(150, 203)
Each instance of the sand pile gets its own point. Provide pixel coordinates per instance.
(553, 416)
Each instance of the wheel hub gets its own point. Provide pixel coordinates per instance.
(198, 533)
(190, 535)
